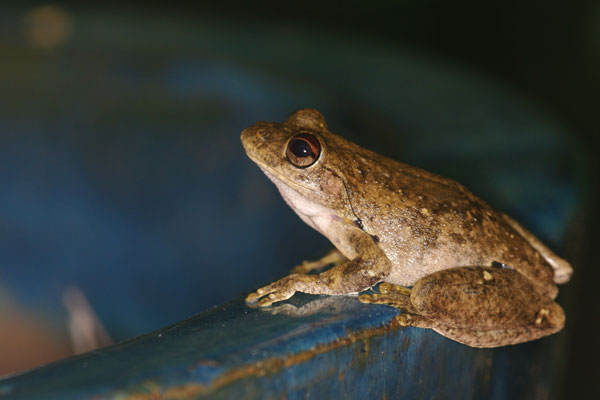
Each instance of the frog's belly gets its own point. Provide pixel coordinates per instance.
(409, 268)
(402, 278)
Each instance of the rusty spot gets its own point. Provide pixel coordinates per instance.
(365, 348)
(146, 391)
(183, 391)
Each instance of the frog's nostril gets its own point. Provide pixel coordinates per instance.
(262, 134)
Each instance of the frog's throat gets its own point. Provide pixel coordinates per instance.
(313, 214)
(299, 203)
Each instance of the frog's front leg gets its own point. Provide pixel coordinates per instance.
(352, 276)
(477, 306)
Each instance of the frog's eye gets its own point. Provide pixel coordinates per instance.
(303, 150)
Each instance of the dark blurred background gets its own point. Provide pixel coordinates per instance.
(125, 196)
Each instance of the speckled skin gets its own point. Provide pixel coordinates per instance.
(405, 226)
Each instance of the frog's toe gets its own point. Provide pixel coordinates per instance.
(394, 300)
(263, 291)
(252, 297)
(275, 296)
(266, 301)
(374, 298)
(365, 298)
(391, 288)
(404, 319)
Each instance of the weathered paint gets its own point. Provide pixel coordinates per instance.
(333, 347)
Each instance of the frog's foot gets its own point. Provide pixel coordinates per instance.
(377, 298)
(418, 321)
(398, 297)
(389, 288)
(279, 290)
(391, 295)
(405, 319)
(332, 257)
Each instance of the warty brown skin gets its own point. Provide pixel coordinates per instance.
(399, 224)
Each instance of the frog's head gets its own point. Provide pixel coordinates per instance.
(304, 160)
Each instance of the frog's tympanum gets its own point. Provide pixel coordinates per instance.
(447, 258)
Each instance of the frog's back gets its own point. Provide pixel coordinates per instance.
(425, 222)
(438, 224)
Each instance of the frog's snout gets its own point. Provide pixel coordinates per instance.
(245, 135)
(256, 136)
(255, 133)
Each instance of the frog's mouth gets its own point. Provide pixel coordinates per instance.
(283, 184)
(276, 178)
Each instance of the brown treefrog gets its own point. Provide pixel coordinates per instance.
(447, 258)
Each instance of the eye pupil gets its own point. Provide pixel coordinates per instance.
(303, 150)
(300, 148)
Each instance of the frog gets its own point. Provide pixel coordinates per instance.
(440, 254)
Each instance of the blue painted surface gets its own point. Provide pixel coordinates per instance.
(235, 351)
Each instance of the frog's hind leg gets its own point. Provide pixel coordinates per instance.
(562, 269)
(399, 297)
(477, 306)
(391, 295)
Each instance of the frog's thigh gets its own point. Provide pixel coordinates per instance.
(562, 269)
(485, 306)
